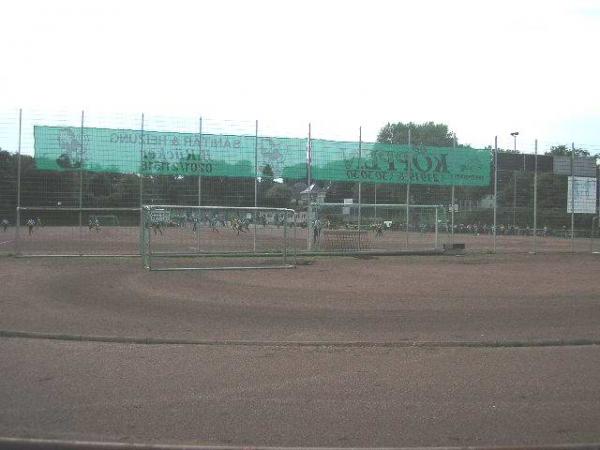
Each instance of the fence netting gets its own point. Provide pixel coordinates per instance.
(76, 167)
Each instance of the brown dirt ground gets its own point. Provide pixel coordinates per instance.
(476, 297)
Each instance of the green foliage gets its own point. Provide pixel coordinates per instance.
(563, 150)
(427, 133)
(279, 196)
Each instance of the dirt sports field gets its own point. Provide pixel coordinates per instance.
(373, 351)
(122, 240)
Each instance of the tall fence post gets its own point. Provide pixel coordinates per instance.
(142, 224)
(573, 197)
(18, 216)
(255, 183)
(359, 183)
(495, 190)
(452, 200)
(200, 167)
(535, 161)
(436, 229)
(81, 184)
(408, 188)
(309, 224)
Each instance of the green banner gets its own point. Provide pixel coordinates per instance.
(190, 154)
(386, 163)
(167, 153)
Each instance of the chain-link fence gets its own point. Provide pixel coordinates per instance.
(67, 170)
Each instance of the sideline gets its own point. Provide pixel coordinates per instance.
(338, 344)
(46, 444)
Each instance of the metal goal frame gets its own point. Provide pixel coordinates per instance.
(288, 253)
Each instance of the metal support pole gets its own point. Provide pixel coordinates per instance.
(408, 188)
(295, 241)
(255, 182)
(452, 215)
(495, 189)
(81, 183)
(200, 167)
(18, 217)
(309, 225)
(452, 200)
(142, 162)
(535, 160)
(436, 228)
(514, 221)
(592, 234)
(375, 192)
(309, 156)
(142, 181)
(573, 197)
(359, 183)
(285, 243)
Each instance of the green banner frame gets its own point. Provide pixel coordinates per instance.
(212, 155)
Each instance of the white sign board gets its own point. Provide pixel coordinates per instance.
(345, 210)
(585, 195)
(159, 216)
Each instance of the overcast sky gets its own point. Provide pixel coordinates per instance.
(483, 67)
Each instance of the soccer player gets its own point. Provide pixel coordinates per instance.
(213, 223)
(157, 228)
(316, 230)
(378, 230)
(93, 222)
(4, 225)
(30, 225)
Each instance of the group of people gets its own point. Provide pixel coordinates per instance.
(31, 223)
(318, 225)
(506, 230)
(214, 222)
(94, 223)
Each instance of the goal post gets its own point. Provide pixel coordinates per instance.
(179, 237)
(381, 228)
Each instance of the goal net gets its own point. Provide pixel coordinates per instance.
(217, 237)
(350, 227)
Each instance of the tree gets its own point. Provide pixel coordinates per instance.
(563, 150)
(279, 196)
(427, 133)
